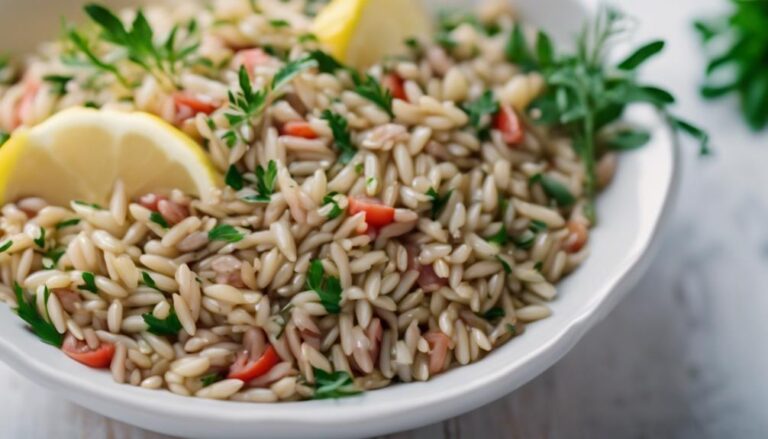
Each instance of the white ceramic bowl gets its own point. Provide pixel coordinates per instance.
(630, 211)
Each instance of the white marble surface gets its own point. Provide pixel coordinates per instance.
(684, 355)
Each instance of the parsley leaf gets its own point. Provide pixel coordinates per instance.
(504, 264)
(211, 378)
(67, 223)
(6, 246)
(58, 83)
(325, 62)
(245, 105)
(279, 23)
(233, 178)
(438, 202)
(371, 89)
(494, 313)
(512, 329)
(265, 183)
(328, 288)
(52, 256)
(86, 204)
(341, 136)
(333, 385)
(226, 233)
(40, 240)
(335, 210)
(480, 112)
(90, 282)
(167, 326)
(4, 137)
(28, 312)
(554, 189)
(147, 280)
(290, 70)
(157, 218)
(500, 238)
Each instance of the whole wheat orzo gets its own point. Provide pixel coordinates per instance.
(375, 227)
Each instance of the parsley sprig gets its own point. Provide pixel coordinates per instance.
(328, 288)
(226, 233)
(341, 137)
(167, 326)
(480, 112)
(438, 201)
(28, 312)
(334, 385)
(739, 66)
(585, 94)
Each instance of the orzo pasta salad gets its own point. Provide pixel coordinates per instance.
(331, 227)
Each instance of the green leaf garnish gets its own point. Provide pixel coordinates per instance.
(87, 204)
(328, 288)
(40, 240)
(233, 178)
(500, 238)
(147, 280)
(279, 23)
(58, 83)
(6, 246)
(44, 330)
(4, 137)
(512, 329)
(158, 219)
(211, 378)
(52, 256)
(494, 313)
(438, 201)
(325, 62)
(291, 69)
(226, 233)
(554, 189)
(335, 210)
(333, 385)
(341, 136)
(371, 89)
(265, 183)
(480, 112)
(67, 223)
(90, 282)
(167, 326)
(504, 263)
(245, 105)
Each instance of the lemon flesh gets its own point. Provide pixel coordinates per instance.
(80, 153)
(361, 33)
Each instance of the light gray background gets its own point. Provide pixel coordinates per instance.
(684, 355)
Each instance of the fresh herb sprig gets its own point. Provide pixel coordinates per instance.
(341, 137)
(167, 326)
(331, 385)
(45, 330)
(138, 41)
(328, 288)
(226, 233)
(585, 94)
(739, 68)
(480, 112)
(438, 201)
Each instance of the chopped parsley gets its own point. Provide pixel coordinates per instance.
(537, 226)
(90, 282)
(504, 264)
(371, 89)
(6, 246)
(167, 326)
(44, 330)
(87, 204)
(67, 223)
(333, 385)
(335, 210)
(291, 69)
(265, 183)
(147, 280)
(58, 83)
(494, 313)
(554, 189)
(279, 23)
(500, 238)
(480, 112)
(326, 63)
(245, 105)
(40, 240)
(52, 256)
(512, 329)
(226, 233)
(233, 178)
(207, 380)
(4, 137)
(158, 219)
(328, 288)
(341, 136)
(438, 201)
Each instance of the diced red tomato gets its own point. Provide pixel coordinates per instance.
(396, 85)
(187, 105)
(252, 58)
(245, 368)
(172, 212)
(377, 214)
(24, 107)
(439, 344)
(428, 280)
(508, 122)
(577, 236)
(150, 201)
(79, 351)
(299, 128)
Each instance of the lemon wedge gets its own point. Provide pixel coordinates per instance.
(362, 32)
(80, 153)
